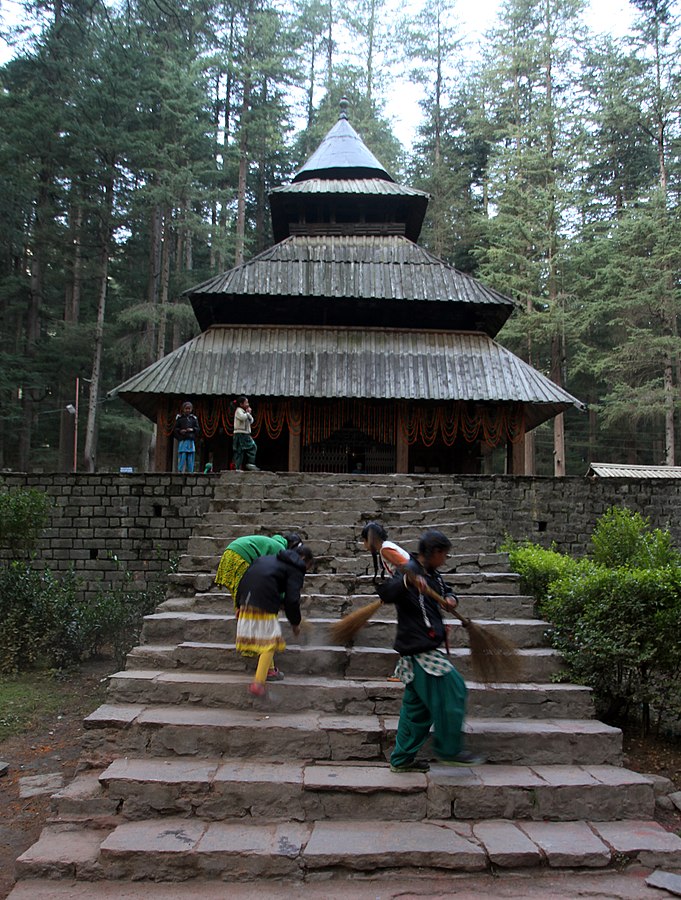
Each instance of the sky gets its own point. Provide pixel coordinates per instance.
(476, 17)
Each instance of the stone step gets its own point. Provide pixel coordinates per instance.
(135, 729)
(536, 664)
(175, 848)
(219, 789)
(477, 606)
(342, 696)
(166, 627)
(203, 579)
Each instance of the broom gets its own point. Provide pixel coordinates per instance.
(493, 657)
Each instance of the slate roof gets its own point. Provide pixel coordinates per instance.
(360, 266)
(342, 153)
(345, 362)
(615, 470)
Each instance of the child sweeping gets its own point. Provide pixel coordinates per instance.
(434, 693)
(388, 555)
(270, 583)
(238, 557)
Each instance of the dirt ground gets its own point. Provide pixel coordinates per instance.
(54, 746)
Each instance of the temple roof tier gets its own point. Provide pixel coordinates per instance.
(358, 280)
(385, 364)
(342, 154)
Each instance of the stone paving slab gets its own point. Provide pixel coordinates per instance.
(648, 842)
(568, 844)
(39, 785)
(62, 852)
(506, 845)
(384, 844)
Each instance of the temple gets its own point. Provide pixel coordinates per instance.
(359, 349)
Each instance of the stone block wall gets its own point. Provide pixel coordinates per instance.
(564, 510)
(105, 525)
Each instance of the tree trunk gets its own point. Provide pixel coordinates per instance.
(90, 451)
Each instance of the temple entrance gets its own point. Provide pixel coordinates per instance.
(348, 450)
(461, 458)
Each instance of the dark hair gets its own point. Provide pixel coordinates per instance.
(379, 531)
(374, 528)
(293, 540)
(431, 541)
(304, 552)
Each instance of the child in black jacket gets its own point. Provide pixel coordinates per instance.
(269, 583)
(435, 693)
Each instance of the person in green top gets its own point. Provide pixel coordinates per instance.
(241, 553)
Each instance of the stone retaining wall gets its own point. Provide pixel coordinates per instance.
(563, 510)
(106, 524)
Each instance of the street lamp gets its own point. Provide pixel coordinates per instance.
(73, 409)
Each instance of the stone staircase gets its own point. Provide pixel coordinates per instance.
(186, 777)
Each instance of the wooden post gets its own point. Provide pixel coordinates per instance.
(161, 463)
(518, 455)
(559, 446)
(294, 448)
(401, 445)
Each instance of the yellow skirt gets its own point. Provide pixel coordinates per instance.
(257, 632)
(231, 570)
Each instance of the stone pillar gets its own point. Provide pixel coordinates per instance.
(401, 445)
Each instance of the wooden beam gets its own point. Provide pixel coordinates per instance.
(518, 455)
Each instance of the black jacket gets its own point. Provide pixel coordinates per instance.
(191, 422)
(419, 618)
(268, 578)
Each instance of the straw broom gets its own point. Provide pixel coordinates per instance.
(493, 657)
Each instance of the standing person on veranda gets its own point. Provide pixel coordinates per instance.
(187, 432)
(434, 693)
(244, 446)
(270, 583)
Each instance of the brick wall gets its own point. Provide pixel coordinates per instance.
(146, 520)
(104, 525)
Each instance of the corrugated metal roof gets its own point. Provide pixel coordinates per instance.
(350, 186)
(345, 362)
(344, 266)
(614, 470)
(342, 149)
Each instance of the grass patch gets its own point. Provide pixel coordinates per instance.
(30, 699)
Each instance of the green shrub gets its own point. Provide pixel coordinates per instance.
(538, 567)
(617, 630)
(24, 514)
(624, 538)
(47, 623)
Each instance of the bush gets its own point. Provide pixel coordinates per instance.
(24, 513)
(48, 624)
(616, 617)
(624, 538)
(618, 632)
(539, 568)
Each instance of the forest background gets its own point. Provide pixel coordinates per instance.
(140, 139)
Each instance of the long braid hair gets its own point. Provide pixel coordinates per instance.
(379, 532)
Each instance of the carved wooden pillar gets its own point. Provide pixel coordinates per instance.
(517, 454)
(401, 445)
(294, 438)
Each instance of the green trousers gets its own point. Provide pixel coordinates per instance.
(437, 700)
(244, 447)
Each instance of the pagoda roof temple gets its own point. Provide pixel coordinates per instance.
(347, 305)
